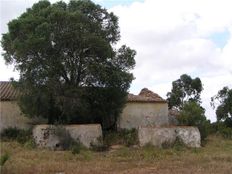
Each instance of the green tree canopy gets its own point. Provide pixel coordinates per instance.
(69, 68)
(192, 114)
(183, 90)
(223, 100)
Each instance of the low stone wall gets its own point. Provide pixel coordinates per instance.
(45, 135)
(159, 136)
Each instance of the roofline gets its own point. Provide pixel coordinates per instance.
(146, 101)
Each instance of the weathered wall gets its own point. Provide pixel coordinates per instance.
(10, 116)
(137, 114)
(45, 136)
(159, 136)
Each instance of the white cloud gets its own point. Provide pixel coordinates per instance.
(172, 38)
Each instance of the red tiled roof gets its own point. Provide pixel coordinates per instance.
(7, 91)
(145, 95)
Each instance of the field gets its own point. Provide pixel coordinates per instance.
(214, 158)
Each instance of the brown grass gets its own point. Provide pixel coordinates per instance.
(214, 158)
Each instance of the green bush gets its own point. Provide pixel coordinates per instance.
(65, 139)
(76, 147)
(30, 144)
(100, 146)
(222, 129)
(192, 114)
(19, 135)
(124, 136)
(226, 132)
(4, 158)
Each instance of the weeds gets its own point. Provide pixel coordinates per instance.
(20, 135)
(4, 158)
(125, 137)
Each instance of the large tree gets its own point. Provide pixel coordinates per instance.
(223, 101)
(184, 90)
(69, 68)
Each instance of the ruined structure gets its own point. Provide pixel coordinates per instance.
(145, 109)
(10, 114)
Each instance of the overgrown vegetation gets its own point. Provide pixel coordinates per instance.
(214, 158)
(4, 158)
(223, 104)
(192, 114)
(70, 69)
(66, 142)
(124, 137)
(22, 136)
(185, 97)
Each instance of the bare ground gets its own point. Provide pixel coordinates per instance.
(214, 158)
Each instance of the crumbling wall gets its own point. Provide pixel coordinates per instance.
(45, 135)
(136, 114)
(159, 136)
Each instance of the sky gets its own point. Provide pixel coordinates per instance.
(171, 38)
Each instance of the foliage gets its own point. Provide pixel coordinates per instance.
(183, 90)
(76, 148)
(20, 135)
(65, 140)
(222, 129)
(4, 158)
(192, 114)
(124, 136)
(100, 146)
(30, 144)
(224, 109)
(70, 71)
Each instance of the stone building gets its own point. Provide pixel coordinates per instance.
(145, 109)
(10, 114)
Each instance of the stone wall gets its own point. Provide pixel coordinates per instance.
(45, 136)
(136, 114)
(159, 136)
(11, 116)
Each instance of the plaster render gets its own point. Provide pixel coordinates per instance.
(11, 116)
(137, 114)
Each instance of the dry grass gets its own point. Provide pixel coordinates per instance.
(214, 158)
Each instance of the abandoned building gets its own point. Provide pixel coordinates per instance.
(145, 109)
(10, 114)
(147, 112)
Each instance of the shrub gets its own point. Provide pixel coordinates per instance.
(65, 139)
(100, 146)
(192, 114)
(130, 137)
(124, 136)
(76, 147)
(4, 158)
(30, 144)
(226, 132)
(20, 135)
(222, 129)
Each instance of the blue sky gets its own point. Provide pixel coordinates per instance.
(111, 3)
(220, 38)
(171, 37)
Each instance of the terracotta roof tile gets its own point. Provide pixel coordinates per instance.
(7, 91)
(145, 95)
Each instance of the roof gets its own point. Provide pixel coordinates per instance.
(146, 96)
(7, 91)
